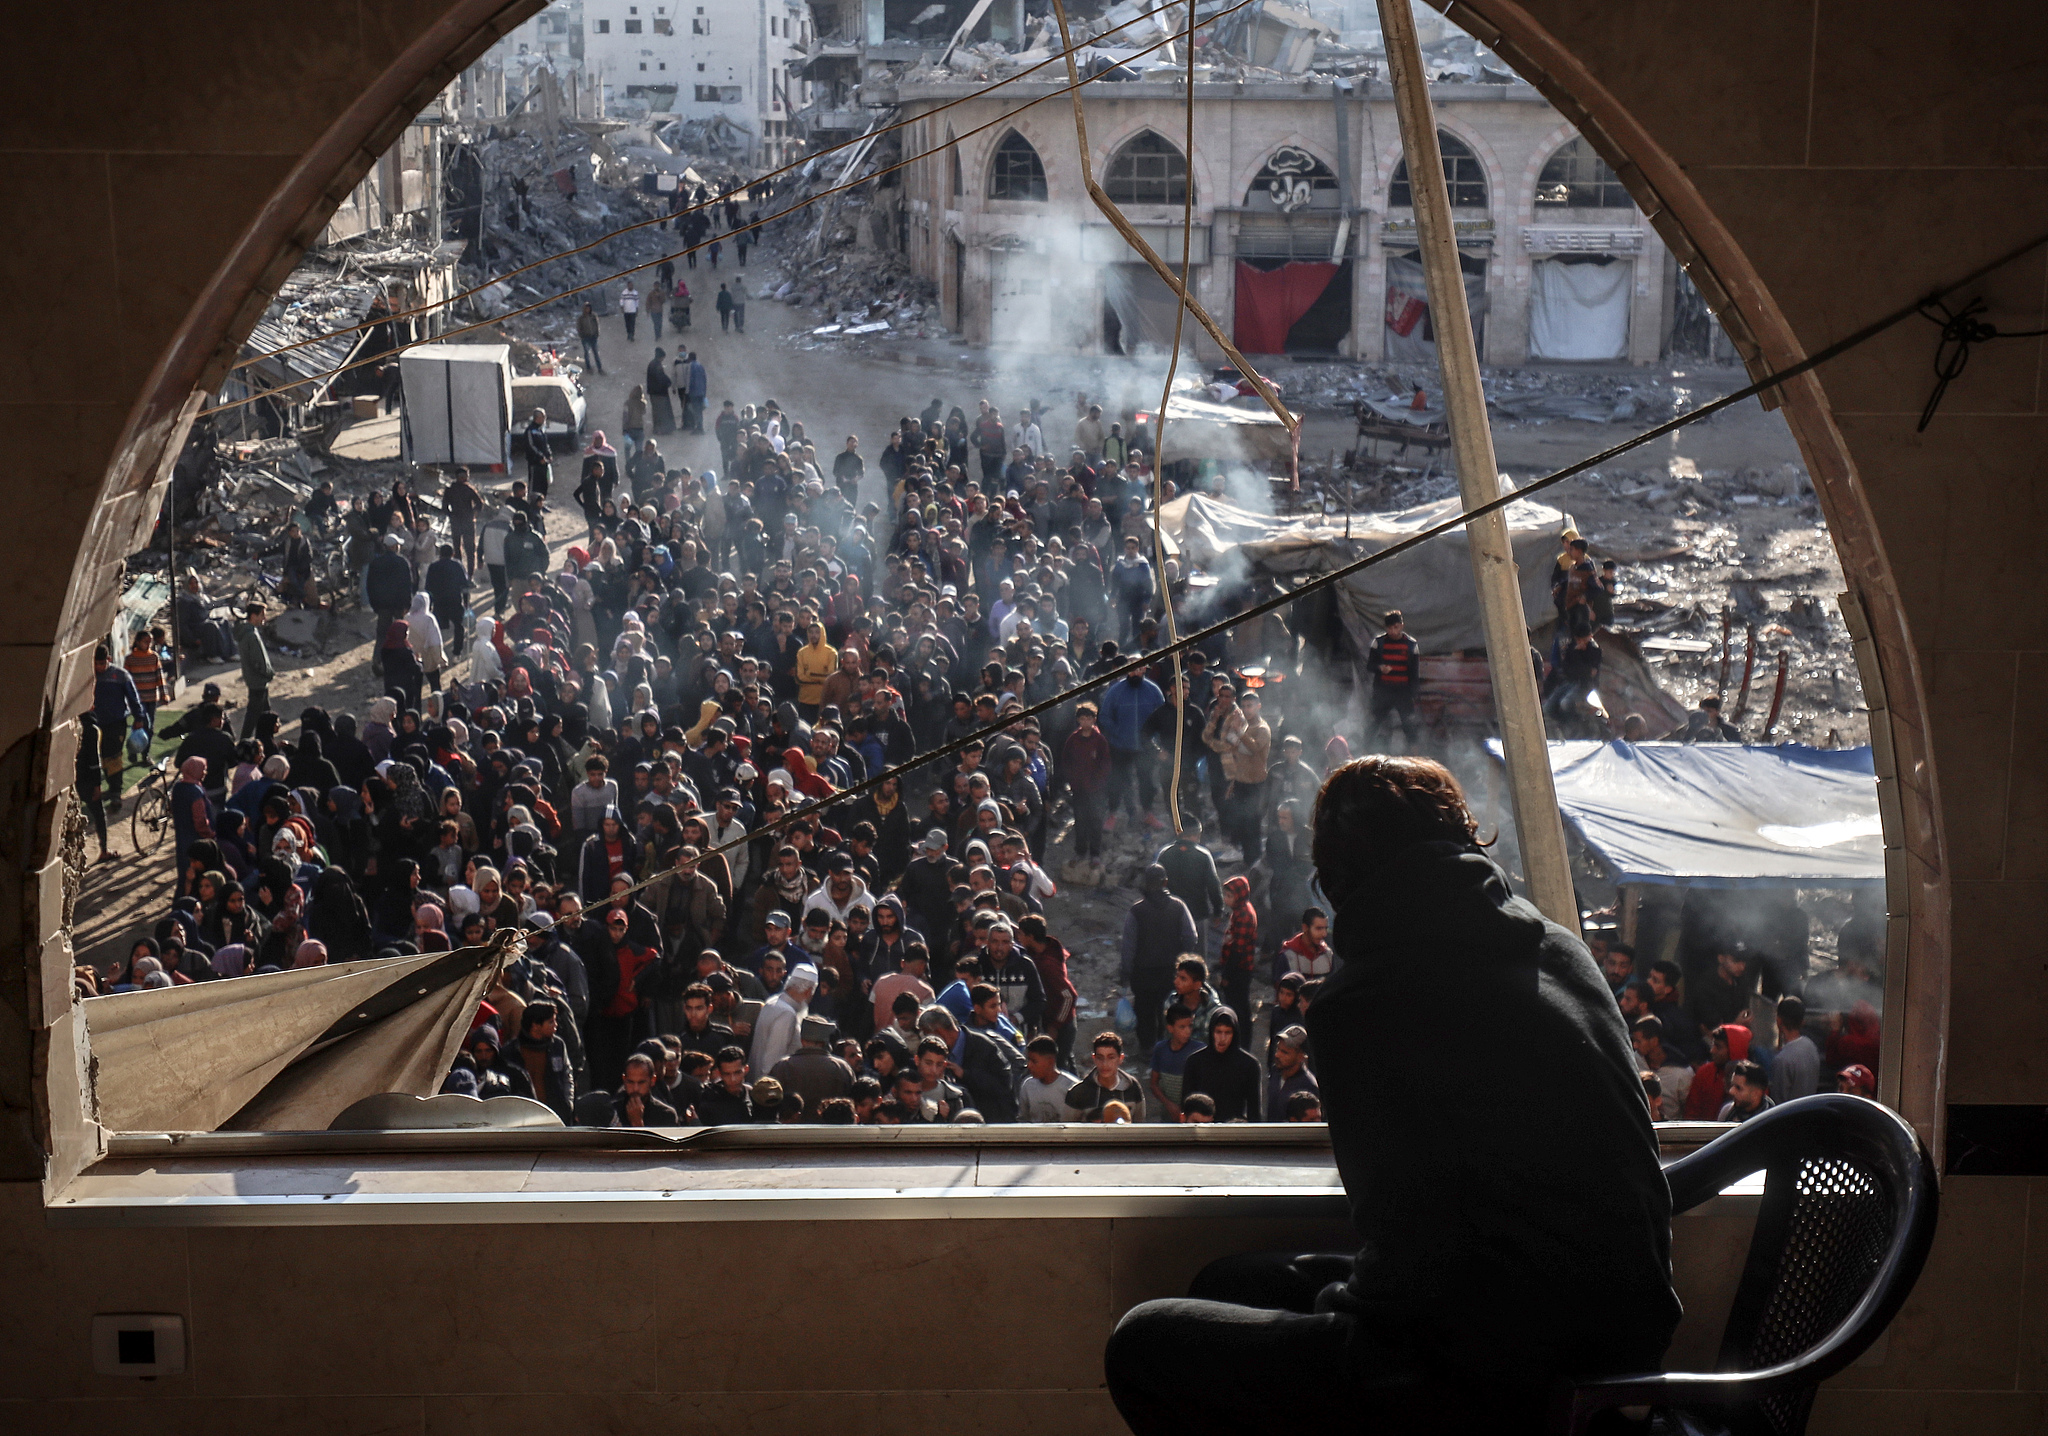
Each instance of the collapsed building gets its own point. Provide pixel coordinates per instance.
(1303, 236)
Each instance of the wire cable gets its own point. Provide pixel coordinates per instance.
(689, 249)
(1669, 426)
(712, 204)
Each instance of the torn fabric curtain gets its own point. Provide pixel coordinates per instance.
(282, 1051)
(1579, 309)
(1269, 301)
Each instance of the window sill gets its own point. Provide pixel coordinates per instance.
(722, 1174)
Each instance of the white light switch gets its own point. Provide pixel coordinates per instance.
(138, 1345)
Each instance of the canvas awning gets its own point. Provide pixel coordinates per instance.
(1723, 815)
(284, 1051)
(1430, 584)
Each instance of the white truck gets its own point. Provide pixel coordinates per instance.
(458, 405)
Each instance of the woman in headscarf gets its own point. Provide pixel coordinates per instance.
(311, 767)
(485, 663)
(411, 739)
(427, 641)
(349, 754)
(229, 920)
(1336, 753)
(391, 919)
(349, 846)
(232, 961)
(379, 731)
(236, 855)
(191, 810)
(403, 676)
(287, 929)
(336, 916)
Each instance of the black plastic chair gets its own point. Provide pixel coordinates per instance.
(1848, 1216)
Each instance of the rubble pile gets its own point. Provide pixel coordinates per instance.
(563, 194)
(1638, 394)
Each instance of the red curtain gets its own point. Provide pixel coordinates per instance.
(1269, 301)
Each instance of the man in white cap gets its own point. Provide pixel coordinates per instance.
(927, 885)
(778, 1029)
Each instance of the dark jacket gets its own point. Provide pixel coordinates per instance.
(654, 1111)
(717, 1107)
(985, 1072)
(1232, 1080)
(560, 1082)
(387, 583)
(1507, 1219)
(1022, 988)
(1191, 877)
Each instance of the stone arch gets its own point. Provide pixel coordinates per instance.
(1107, 150)
(1035, 133)
(235, 276)
(1249, 167)
(1701, 241)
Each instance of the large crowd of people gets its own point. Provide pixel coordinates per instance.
(637, 754)
(702, 759)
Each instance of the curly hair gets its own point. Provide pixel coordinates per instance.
(1372, 807)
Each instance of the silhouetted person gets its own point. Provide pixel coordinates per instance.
(1504, 1246)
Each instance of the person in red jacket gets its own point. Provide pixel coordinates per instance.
(1085, 761)
(1239, 953)
(1709, 1090)
(1061, 996)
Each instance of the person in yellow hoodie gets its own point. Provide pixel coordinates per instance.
(816, 661)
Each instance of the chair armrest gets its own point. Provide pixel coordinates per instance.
(1703, 1175)
(1578, 1403)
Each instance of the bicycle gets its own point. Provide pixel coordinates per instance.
(152, 814)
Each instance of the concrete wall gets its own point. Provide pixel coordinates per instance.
(1510, 128)
(1813, 166)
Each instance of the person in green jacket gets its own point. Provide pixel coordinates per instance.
(256, 669)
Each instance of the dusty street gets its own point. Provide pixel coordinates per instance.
(835, 388)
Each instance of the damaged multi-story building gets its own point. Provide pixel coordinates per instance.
(1302, 240)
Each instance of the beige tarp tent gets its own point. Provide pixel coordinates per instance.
(1244, 432)
(284, 1051)
(1430, 584)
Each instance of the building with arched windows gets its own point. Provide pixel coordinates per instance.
(1303, 238)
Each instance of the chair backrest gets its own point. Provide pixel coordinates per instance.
(1847, 1217)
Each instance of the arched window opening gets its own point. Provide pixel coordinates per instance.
(1016, 172)
(1462, 172)
(1150, 169)
(1576, 178)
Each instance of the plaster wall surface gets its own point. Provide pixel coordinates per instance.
(1817, 163)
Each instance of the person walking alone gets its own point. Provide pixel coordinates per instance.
(256, 670)
(587, 330)
(629, 308)
(697, 385)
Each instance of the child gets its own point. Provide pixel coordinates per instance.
(1170, 1059)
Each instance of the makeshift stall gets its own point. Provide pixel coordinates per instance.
(458, 404)
(1710, 843)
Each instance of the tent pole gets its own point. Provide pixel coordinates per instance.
(1538, 828)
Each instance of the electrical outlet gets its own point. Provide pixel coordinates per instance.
(138, 1345)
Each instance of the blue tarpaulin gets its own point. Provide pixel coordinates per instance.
(1722, 815)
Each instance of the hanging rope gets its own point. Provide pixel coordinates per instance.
(1960, 329)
